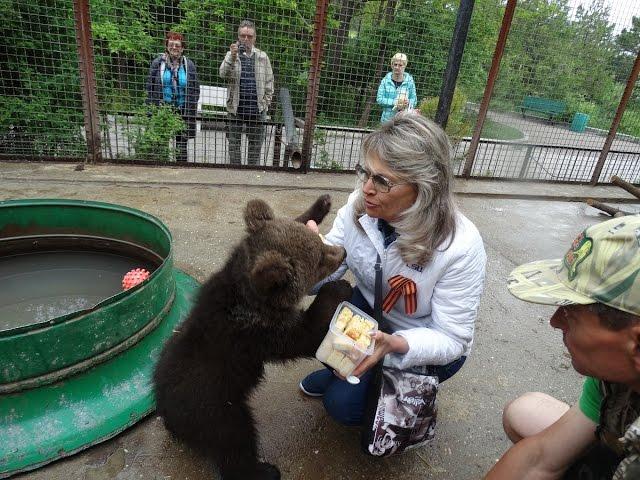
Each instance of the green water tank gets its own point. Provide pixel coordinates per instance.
(579, 123)
(79, 379)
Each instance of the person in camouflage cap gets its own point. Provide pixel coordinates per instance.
(596, 286)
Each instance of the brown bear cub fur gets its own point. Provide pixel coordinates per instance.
(246, 314)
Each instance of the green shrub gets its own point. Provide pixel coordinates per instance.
(40, 127)
(457, 126)
(582, 106)
(630, 123)
(157, 126)
(322, 160)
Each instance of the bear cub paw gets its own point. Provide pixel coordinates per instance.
(339, 290)
(320, 208)
(267, 471)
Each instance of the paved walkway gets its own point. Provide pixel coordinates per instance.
(540, 132)
(515, 350)
(113, 174)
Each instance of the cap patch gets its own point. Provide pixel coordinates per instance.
(580, 250)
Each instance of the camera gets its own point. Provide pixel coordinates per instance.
(242, 48)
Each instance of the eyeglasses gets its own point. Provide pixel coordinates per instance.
(380, 183)
(176, 45)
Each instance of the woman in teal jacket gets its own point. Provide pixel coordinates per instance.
(397, 91)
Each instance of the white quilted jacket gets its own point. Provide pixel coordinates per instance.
(449, 287)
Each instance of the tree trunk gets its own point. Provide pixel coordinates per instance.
(389, 14)
(371, 94)
(347, 9)
(337, 39)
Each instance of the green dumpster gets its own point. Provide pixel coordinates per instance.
(579, 123)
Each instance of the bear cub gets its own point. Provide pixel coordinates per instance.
(246, 314)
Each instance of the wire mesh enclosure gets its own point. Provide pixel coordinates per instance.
(304, 82)
(40, 99)
(136, 60)
(563, 73)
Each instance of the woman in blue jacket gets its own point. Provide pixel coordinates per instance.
(397, 91)
(173, 80)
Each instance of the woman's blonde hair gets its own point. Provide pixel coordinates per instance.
(418, 152)
(401, 57)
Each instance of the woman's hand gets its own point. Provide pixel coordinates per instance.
(385, 343)
(402, 103)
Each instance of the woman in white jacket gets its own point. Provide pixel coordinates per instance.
(404, 211)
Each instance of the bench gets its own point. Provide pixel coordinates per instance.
(212, 108)
(550, 109)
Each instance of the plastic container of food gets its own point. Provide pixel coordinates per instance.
(348, 340)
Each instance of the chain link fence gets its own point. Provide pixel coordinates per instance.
(565, 68)
(41, 111)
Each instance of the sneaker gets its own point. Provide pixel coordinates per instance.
(316, 383)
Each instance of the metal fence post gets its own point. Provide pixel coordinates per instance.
(87, 79)
(616, 120)
(488, 90)
(450, 77)
(277, 141)
(319, 28)
(525, 162)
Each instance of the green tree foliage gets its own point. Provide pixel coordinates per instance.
(550, 52)
(379, 29)
(478, 51)
(40, 104)
(628, 43)
(536, 54)
(125, 39)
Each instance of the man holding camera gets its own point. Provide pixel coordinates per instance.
(249, 77)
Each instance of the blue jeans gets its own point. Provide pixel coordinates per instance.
(345, 402)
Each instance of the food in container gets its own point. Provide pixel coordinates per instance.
(348, 340)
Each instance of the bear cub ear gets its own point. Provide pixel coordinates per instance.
(271, 272)
(256, 213)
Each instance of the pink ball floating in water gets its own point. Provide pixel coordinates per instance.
(134, 277)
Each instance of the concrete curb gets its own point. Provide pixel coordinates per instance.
(139, 176)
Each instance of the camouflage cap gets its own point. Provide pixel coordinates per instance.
(601, 266)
